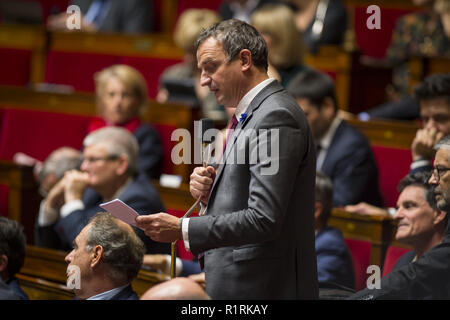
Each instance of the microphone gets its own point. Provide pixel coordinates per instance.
(204, 125)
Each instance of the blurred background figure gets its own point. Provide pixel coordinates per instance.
(419, 34)
(241, 9)
(276, 24)
(12, 254)
(343, 153)
(121, 93)
(185, 74)
(334, 262)
(321, 22)
(131, 16)
(176, 289)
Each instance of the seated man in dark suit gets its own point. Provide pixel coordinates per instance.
(106, 257)
(420, 223)
(433, 95)
(334, 262)
(108, 171)
(343, 153)
(12, 254)
(429, 276)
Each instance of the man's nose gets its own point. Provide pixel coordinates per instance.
(204, 80)
(433, 180)
(68, 258)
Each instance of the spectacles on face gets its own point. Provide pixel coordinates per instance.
(438, 171)
(96, 159)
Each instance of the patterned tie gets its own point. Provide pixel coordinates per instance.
(231, 127)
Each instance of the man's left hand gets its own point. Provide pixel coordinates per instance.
(161, 227)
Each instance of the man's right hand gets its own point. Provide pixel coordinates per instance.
(423, 143)
(201, 182)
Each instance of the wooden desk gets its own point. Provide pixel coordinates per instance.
(396, 134)
(375, 229)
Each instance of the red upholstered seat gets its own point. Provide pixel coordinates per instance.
(182, 252)
(393, 165)
(393, 253)
(76, 69)
(360, 251)
(38, 133)
(15, 66)
(376, 41)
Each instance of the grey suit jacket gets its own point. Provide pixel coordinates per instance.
(258, 233)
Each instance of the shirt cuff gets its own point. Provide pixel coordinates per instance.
(47, 216)
(70, 207)
(420, 163)
(185, 233)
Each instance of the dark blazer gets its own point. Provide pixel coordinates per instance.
(404, 260)
(150, 155)
(6, 293)
(426, 278)
(126, 294)
(131, 16)
(351, 166)
(334, 262)
(258, 232)
(140, 195)
(15, 287)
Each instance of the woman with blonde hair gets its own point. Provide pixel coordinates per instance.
(276, 24)
(121, 98)
(189, 26)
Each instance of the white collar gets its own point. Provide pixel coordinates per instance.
(249, 96)
(108, 295)
(325, 142)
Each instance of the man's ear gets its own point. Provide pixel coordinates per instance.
(96, 255)
(318, 208)
(3, 262)
(439, 215)
(246, 59)
(123, 165)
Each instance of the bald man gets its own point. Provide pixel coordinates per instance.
(176, 289)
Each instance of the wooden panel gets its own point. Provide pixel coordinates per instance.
(334, 59)
(375, 229)
(149, 45)
(40, 289)
(178, 199)
(397, 134)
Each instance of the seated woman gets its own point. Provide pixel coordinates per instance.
(121, 98)
(189, 26)
(286, 49)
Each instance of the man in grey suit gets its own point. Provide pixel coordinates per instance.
(256, 228)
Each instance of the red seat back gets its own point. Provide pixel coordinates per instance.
(393, 164)
(4, 194)
(38, 133)
(376, 41)
(360, 251)
(16, 66)
(165, 133)
(393, 253)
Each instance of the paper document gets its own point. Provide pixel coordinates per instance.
(121, 211)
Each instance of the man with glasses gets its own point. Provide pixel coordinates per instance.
(429, 276)
(108, 171)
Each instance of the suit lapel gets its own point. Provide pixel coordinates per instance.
(270, 89)
(334, 151)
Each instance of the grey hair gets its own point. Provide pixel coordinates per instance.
(117, 141)
(324, 194)
(123, 251)
(236, 35)
(444, 143)
(59, 161)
